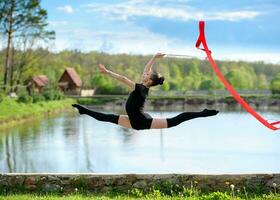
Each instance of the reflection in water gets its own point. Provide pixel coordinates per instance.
(231, 142)
(161, 146)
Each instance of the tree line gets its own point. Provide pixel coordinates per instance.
(180, 74)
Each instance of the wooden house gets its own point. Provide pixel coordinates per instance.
(37, 83)
(70, 82)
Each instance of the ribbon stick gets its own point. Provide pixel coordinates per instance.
(182, 56)
(202, 41)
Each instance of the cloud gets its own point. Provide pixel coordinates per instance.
(142, 41)
(135, 41)
(55, 24)
(67, 9)
(234, 15)
(132, 9)
(246, 55)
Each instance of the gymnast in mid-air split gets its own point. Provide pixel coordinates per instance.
(136, 118)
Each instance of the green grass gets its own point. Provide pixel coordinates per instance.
(162, 191)
(211, 196)
(11, 110)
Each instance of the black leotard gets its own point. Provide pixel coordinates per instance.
(134, 108)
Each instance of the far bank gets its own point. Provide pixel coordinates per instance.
(13, 112)
(175, 103)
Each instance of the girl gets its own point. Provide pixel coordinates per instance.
(136, 118)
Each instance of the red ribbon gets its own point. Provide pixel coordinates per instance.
(202, 40)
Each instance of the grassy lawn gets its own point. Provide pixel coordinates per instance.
(211, 196)
(11, 110)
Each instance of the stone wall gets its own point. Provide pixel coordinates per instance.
(68, 183)
(179, 104)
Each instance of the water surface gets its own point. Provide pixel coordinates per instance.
(231, 142)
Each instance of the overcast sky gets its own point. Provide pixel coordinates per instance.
(239, 29)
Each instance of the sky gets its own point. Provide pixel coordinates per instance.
(235, 30)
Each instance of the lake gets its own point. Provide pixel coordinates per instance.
(231, 142)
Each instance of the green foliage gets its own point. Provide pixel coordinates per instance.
(137, 193)
(206, 84)
(180, 74)
(275, 84)
(13, 109)
(189, 192)
(24, 97)
(28, 24)
(82, 192)
(51, 93)
(262, 82)
(167, 188)
(2, 96)
(37, 97)
(216, 196)
(165, 86)
(241, 78)
(155, 194)
(187, 83)
(105, 85)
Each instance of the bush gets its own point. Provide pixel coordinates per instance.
(137, 193)
(36, 97)
(50, 93)
(216, 196)
(24, 97)
(2, 97)
(275, 87)
(275, 84)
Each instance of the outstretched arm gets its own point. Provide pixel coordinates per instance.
(119, 77)
(149, 65)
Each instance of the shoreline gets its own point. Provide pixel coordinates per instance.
(44, 109)
(156, 103)
(153, 103)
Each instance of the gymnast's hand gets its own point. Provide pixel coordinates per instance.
(102, 69)
(159, 55)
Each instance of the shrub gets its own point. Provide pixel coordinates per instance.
(24, 97)
(216, 196)
(167, 188)
(275, 84)
(37, 97)
(2, 97)
(59, 95)
(275, 87)
(136, 192)
(51, 93)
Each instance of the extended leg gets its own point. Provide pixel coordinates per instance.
(174, 121)
(97, 115)
(121, 120)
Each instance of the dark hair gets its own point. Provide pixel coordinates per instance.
(156, 78)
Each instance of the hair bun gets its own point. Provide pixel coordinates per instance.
(160, 81)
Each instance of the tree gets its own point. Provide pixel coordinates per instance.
(262, 82)
(275, 84)
(194, 72)
(241, 78)
(26, 21)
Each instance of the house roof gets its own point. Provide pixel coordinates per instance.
(74, 76)
(40, 80)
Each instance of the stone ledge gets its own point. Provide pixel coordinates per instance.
(95, 182)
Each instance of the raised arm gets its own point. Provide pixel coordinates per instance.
(149, 65)
(119, 77)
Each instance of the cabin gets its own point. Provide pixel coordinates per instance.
(70, 82)
(37, 83)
